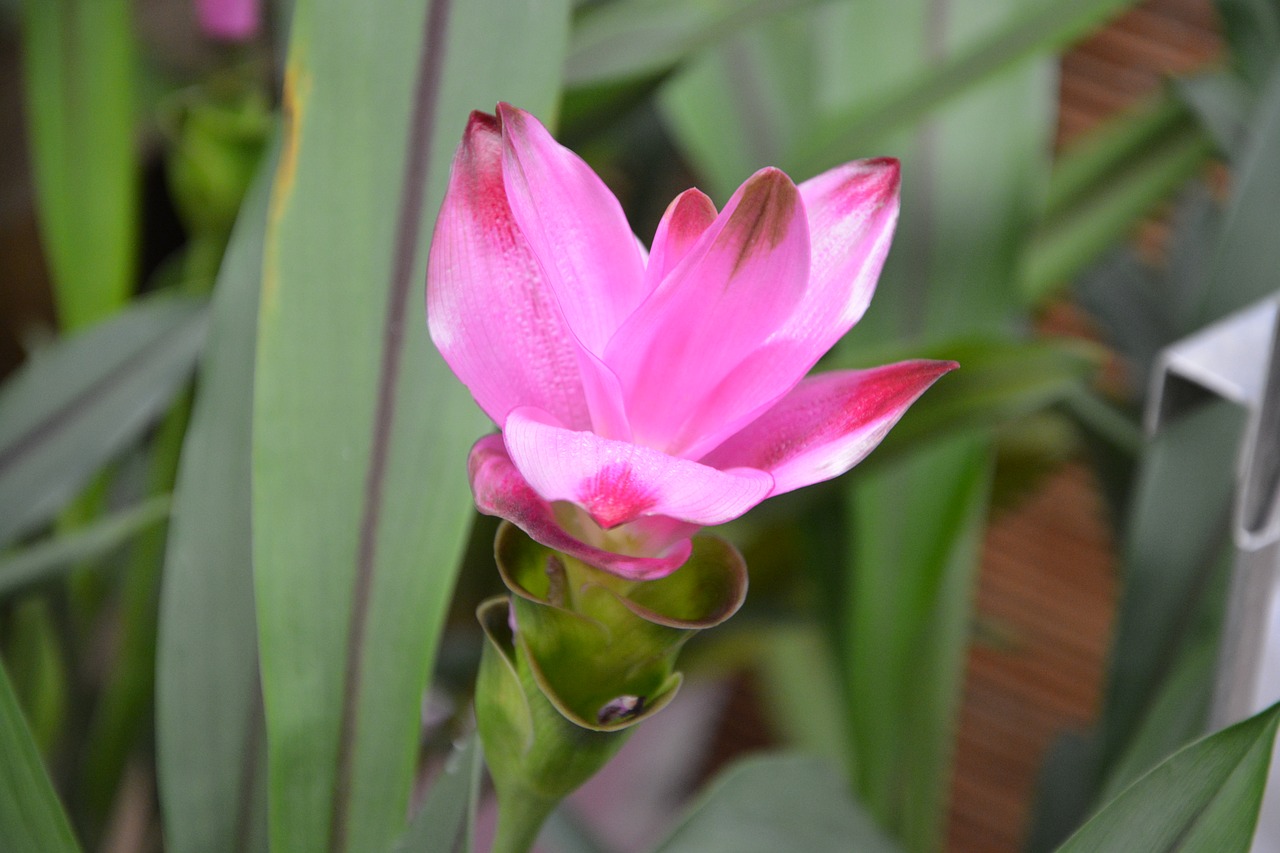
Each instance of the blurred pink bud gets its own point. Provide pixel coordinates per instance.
(229, 20)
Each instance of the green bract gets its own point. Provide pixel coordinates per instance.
(577, 656)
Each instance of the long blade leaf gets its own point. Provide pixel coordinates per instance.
(617, 41)
(1248, 253)
(360, 500)
(1102, 188)
(1204, 797)
(1036, 30)
(208, 700)
(79, 82)
(31, 818)
(72, 407)
(48, 559)
(781, 802)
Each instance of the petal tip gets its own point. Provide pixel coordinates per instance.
(511, 115)
(948, 366)
(892, 165)
(767, 210)
(480, 126)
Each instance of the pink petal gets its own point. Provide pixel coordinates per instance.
(852, 210)
(500, 490)
(617, 482)
(685, 220)
(575, 226)
(828, 423)
(490, 310)
(228, 20)
(716, 307)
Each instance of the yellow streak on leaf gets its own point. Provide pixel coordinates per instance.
(297, 88)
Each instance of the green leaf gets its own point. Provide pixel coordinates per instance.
(1221, 102)
(1252, 28)
(360, 498)
(1205, 797)
(72, 407)
(1176, 535)
(962, 231)
(79, 89)
(591, 639)
(642, 38)
(863, 72)
(916, 530)
(747, 103)
(1035, 29)
(1100, 155)
(772, 803)
(51, 558)
(998, 381)
(536, 755)
(31, 818)
(1169, 616)
(800, 687)
(1103, 187)
(437, 825)
(1176, 716)
(1248, 253)
(209, 739)
(915, 522)
(1065, 789)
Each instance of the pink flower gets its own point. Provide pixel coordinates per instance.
(228, 20)
(642, 396)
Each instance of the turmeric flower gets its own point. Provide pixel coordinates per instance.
(644, 395)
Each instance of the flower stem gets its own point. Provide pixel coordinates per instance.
(520, 818)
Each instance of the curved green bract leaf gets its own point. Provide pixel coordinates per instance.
(779, 802)
(1204, 797)
(601, 648)
(80, 75)
(209, 737)
(72, 407)
(360, 431)
(601, 675)
(51, 558)
(705, 591)
(536, 756)
(31, 818)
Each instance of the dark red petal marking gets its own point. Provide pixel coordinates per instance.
(613, 495)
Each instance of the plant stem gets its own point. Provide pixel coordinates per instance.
(521, 815)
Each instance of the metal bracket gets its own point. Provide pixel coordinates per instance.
(1238, 359)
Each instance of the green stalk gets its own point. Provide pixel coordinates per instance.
(521, 815)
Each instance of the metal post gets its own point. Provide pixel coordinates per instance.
(1238, 359)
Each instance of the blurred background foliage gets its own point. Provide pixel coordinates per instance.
(214, 345)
